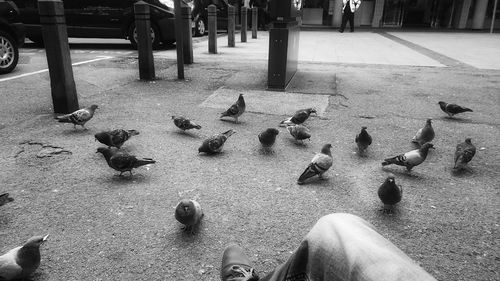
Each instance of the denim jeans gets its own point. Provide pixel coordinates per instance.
(346, 247)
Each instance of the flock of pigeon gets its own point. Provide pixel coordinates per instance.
(22, 261)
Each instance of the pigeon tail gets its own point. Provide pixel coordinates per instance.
(229, 133)
(309, 172)
(64, 118)
(144, 161)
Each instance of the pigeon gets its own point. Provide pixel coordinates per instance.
(215, 143)
(320, 163)
(22, 261)
(184, 123)
(363, 139)
(410, 159)
(299, 132)
(116, 137)
(299, 117)
(452, 109)
(390, 193)
(425, 134)
(79, 117)
(268, 137)
(463, 155)
(236, 109)
(4, 199)
(122, 161)
(189, 213)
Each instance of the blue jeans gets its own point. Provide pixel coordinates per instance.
(346, 247)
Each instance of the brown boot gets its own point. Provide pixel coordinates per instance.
(235, 265)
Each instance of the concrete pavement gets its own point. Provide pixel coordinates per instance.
(107, 228)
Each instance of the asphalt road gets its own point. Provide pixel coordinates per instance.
(108, 228)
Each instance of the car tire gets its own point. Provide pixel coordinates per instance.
(9, 53)
(155, 35)
(199, 27)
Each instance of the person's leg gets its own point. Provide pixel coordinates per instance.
(344, 22)
(346, 247)
(351, 21)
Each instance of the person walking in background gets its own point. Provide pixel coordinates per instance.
(339, 247)
(348, 9)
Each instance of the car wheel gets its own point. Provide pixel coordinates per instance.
(9, 53)
(199, 27)
(155, 36)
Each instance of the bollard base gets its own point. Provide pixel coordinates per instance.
(283, 54)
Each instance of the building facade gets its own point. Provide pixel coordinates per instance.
(439, 14)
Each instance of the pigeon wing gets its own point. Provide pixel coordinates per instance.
(9, 269)
(122, 161)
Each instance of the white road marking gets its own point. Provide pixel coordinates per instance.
(45, 70)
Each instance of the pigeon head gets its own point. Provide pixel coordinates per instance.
(364, 128)
(441, 103)
(185, 206)
(133, 132)
(427, 146)
(468, 140)
(36, 241)
(273, 131)
(390, 178)
(429, 121)
(312, 110)
(326, 149)
(105, 151)
(101, 137)
(94, 107)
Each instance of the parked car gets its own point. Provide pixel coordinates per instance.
(11, 36)
(200, 15)
(102, 19)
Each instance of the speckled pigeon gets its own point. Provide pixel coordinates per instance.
(116, 137)
(21, 262)
(425, 134)
(452, 109)
(79, 117)
(122, 161)
(184, 123)
(215, 143)
(189, 213)
(320, 163)
(268, 137)
(390, 193)
(363, 140)
(299, 132)
(299, 117)
(410, 159)
(236, 109)
(464, 153)
(4, 199)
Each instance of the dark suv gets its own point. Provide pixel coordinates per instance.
(102, 19)
(200, 15)
(11, 36)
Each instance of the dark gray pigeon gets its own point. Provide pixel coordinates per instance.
(236, 109)
(79, 117)
(425, 134)
(363, 140)
(4, 199)
(299, 132)
(116, 137)
(320, 163)
(299, 117)
(122, 161)
(390, 193)
(20, 262)
(189, 213)
(268, 137)
(452, 109)
(215, 143)
(184, 123)
(410, 159)
(464, 153)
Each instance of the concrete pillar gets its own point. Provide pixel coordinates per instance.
(464, 14)
(212, 29)
(144, 44)
(231, 17)
(337, 14)
(55, 38)
(255, 24)
(378, 13)
(179, 39)
(187, 43)
(479, 14)
(243, 24)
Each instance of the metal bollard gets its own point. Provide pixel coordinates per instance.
(55, 38)
(212, 29)
(231, 15)
(243, 24)
(179, 39)
(254, 22)
(144, 44)
(187, 43)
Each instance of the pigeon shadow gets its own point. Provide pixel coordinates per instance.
(298, 143)
(186, 134)
(233, 121)
(455, 119)
(402, 172)
(316, 181)
(266, 151)
(462, 173)
(191, 235)
(392, 215)
(78, 131)
(126, 178)
(210, 155)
